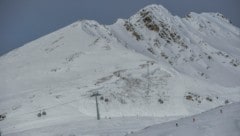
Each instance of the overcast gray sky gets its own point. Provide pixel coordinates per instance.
(22, 21)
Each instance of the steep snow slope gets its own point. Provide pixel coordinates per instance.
(152, 64)
(222, 121)
(204, 46)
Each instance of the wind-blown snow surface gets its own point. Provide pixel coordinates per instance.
(152, 64)
(222, 121)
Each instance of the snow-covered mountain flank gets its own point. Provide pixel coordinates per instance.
(152, 64)
(222, 121)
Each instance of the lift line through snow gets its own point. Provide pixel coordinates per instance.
(96, 94)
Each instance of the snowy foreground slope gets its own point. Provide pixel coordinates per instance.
(153, 64)
(221, 121)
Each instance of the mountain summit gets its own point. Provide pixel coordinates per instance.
(152, 64)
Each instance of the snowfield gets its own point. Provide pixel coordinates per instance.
(221, 121)
(150, 68)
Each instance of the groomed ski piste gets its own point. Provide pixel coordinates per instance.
(151, 68)
(220, 121)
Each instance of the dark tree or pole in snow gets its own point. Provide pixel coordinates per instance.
(148, 77)
(97, 108)
(148, 80)
(98, 115)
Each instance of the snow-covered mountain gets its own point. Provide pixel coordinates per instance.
(152, 64)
